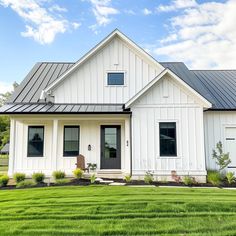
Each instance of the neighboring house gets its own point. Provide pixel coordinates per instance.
(124, 111)
(5, 149)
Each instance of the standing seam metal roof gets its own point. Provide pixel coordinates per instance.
(217, 86)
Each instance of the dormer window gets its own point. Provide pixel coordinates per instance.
(115, 78)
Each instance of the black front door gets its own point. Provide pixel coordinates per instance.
(110, 147)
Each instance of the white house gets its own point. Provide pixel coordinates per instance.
(124, 111)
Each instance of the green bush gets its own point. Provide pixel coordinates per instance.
(4, 180)
(148, 178)
(92, 179)
(214, 177)
(128, 178)
(25, 184)
(58, 174)
(78, 173)
(230, 177)
(62, 181)
(38, 177)
(187, 180)
(19, 177)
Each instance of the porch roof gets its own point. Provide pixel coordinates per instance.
(47, 108)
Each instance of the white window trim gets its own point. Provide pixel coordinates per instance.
(116, 71)
(178, 156)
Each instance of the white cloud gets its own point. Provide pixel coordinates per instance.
(41, 25)
(129, 12)
(76, 25)
(102, 11)
(203, 36)
(56, 7)
(147, 12)
(5, 87)
(177, 4)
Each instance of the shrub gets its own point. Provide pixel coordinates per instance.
(58, 174)
(148, 178)
(92, 166)
(213, 177)
(78, 173)
(128, 178)
(187, 180)
(230, 177)
(38, 177)
(4, 180)
(222, 159)
(25, 184)
(92, 179)
(62, 181)
(19, 177)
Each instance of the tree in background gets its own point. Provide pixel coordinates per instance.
(5, 120)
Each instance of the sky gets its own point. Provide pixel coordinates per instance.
(202, 34)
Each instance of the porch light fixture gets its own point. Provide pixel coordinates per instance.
(89, 147)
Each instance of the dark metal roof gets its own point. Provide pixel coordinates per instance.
(42, 75)
(182, 71)
(42, 108)
(221, 85)
(218, 87)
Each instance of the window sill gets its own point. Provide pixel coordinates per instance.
(169, 157)
(115, 86)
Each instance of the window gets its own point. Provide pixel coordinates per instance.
(115, 78)
(35, 141)
(168, 139)
(71, 141)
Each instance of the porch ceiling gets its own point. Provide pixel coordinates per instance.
(51, 108)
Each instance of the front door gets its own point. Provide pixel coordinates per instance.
(110, 147)
(230, 136)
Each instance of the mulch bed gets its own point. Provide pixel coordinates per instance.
(86, 182)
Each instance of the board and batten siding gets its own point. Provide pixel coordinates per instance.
(168, 101)
(53, 158)
(215, 123)
(88, 84)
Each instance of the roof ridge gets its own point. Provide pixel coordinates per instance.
(55, 62)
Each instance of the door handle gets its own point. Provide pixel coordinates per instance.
(230, 138)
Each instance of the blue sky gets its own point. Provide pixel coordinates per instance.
(200, 33)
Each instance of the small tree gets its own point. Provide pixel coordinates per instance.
(221, 158)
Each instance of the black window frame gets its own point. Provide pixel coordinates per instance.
(37, 127)
(119, 84)
(169, 155)
(71, 126)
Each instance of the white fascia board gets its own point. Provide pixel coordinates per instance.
(205, 103)
(92, 52)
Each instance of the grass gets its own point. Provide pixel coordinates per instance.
(117, 210)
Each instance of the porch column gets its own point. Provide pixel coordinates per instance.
(54, 144)
(127, 146)
(12, 147)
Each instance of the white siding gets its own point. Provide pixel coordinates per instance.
(53, 148)
(168, 101)
(215, 123)
(88, 83)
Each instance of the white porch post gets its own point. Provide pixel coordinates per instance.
(12, 147)
(127, 146)
(54, 144)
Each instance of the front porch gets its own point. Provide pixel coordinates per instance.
(92, 139)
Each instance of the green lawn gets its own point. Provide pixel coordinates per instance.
(103, 210)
